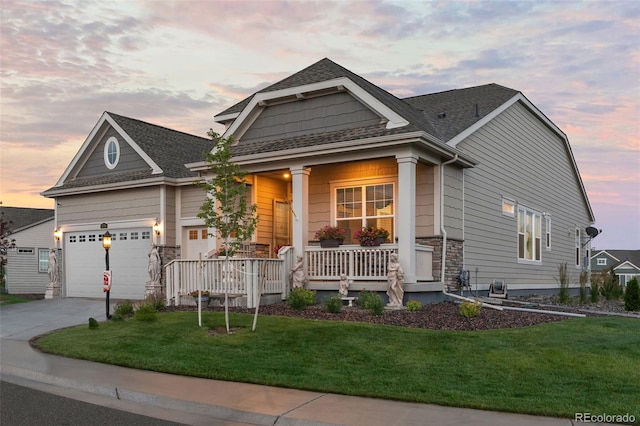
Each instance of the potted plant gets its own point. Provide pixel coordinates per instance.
(371, 236)
(204, 295)
(330, 236)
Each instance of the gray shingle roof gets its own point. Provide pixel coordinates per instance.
(632, 256)
(461, 107)
(170, 149)
(325, 69)
(21, 217)
(422, 111)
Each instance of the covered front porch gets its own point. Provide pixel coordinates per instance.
(250, 281)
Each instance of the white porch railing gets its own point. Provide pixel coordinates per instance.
(242, 278)
(359, 263)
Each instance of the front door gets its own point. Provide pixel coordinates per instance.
(281, 223)
(196, 241)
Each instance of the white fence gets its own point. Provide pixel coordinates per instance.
(233, 276)
(358, 263)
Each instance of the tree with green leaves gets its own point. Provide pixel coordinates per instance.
(226, 209)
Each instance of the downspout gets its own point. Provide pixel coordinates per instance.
(444, 241)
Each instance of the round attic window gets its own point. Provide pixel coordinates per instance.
(111, 153)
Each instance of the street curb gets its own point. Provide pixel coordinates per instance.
(214, 411)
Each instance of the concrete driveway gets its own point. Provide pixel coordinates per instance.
(22, 321)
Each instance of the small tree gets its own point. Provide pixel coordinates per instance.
(5, 245)
(226, 208)
(632, 295)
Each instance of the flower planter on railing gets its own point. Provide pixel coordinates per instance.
(330, 243)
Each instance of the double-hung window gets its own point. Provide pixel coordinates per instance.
(358, 206)
(529, 235)
(43, 260)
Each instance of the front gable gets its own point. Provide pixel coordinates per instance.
(626, 267)
(323, 104)
(91, 160)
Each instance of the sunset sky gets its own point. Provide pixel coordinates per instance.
(178, 63)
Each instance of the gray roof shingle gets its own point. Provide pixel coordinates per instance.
(21, 217)
(169, 149)
(461, 107)
(421, 111)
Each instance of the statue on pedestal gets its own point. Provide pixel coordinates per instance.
(395, 278)
(297, 274)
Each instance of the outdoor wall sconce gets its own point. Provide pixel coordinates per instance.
(156, 228)
(57, 234)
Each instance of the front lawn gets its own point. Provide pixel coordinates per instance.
(557, 369)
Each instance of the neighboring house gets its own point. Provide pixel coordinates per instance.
(624, 263)
(28, 261)
(475, 179)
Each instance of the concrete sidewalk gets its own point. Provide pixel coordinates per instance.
(191, 400)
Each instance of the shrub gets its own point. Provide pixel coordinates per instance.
(123, 309)
(300, 298)
(413, 305)
(470, 309)
(145, 312)
(155, 300)
(583, 286)
(595, 288)
(372, 301)
(594, 292)
(93, 324)
(333, 304)
(632, 295)
(563, 279)
(376, 304)
(365, 297)
(610, 287)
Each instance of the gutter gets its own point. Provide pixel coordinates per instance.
(444, 243)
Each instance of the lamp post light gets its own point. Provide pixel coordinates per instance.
(106, 243)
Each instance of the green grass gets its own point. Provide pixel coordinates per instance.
(9, 299)
(556, 369)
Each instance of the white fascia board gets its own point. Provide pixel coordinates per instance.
(227, 117)
(626, 264)
(82, 149)
(155, 169)
(345, 147)
(543, 118)
(110, 187)
(519, 97)
(394, 119)
(87, 142)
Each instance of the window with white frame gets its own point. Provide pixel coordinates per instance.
(577, 248)
(602, 261)
(529, 235)
(43, 260)
(508, 207)
(111, 153)
(358, 206)
(547, 241)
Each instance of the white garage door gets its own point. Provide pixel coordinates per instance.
(84, 260)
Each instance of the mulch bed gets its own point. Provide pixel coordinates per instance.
(436, 316)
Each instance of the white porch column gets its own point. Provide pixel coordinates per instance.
(406, 215)
(300, 188)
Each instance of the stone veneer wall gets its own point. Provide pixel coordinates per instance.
(455, 259)
(167, 254)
